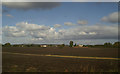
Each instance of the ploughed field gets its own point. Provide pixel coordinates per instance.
(29, 59)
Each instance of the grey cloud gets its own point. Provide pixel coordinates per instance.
(57, 25)
(38, 32)
(11, 31)
(90, 32)
(33, 30)
(82, 22)
(112, 18)
(31, 27)
(31, 5)
(69, 24)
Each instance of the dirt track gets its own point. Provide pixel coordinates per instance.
(62, 56)
(88, 52)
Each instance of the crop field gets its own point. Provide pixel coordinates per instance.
(55, 59)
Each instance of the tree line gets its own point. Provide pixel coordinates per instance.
(71, 44)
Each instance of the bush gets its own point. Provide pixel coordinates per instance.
(108, 44)
(7, 45)
(71, 43)
(116, 44)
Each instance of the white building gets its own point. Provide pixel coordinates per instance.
(80, 45)
(44, 46)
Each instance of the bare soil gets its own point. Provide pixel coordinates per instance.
(22, 63)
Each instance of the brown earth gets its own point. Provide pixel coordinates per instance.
(22, 63)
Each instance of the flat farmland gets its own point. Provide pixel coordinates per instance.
(54, 59)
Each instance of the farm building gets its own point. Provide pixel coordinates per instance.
(44, 46)
(80, 45)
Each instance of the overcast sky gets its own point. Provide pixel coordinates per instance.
(56, 23)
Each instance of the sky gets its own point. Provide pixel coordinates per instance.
(59, 22)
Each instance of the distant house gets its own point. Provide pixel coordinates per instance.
(44, 46)
(80, 45)
(22, 45)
